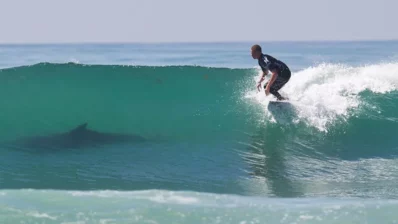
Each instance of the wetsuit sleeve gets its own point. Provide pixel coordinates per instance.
(273, 66)
(273, 63)
(270, 58)
(261, 66)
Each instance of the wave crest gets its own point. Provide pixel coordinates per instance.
(323, 94)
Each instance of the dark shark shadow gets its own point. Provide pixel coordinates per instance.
(79, 137)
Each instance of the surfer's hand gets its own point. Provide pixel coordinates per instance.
(266, 91)
(259, 86)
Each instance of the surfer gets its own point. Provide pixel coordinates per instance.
(280, 72)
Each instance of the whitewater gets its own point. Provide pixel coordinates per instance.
(217, 150)
(327, 92)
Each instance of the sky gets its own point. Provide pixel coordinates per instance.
(55, 21)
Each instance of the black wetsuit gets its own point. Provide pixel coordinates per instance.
(270, 63)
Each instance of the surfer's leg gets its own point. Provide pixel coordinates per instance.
(280, 81)
(276, 86)
(278, 95)
(272, 90)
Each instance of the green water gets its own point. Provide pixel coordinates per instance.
(180, 102)
(206, 131)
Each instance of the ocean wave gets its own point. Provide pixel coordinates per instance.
(338, 116)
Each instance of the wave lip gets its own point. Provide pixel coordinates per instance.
(325, 94)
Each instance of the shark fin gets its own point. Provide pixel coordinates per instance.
(79, 128)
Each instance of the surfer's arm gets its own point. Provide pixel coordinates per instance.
(265, 72)
(261, 80)
(272, 80)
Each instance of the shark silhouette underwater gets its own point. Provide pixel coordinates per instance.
(79, 137)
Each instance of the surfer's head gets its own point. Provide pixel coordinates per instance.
(256, 51)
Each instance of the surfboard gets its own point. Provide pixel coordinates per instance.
(281, 103)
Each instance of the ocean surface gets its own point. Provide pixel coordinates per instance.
(215, 150)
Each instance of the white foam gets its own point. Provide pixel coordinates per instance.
(73, 60)
(41, 215)
(105, 221)
(161, 198)
(306, 217)
(327, 92)
(154, 196)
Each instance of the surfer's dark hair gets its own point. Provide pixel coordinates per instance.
(256, 47)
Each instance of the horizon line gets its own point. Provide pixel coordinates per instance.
(198, 42)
